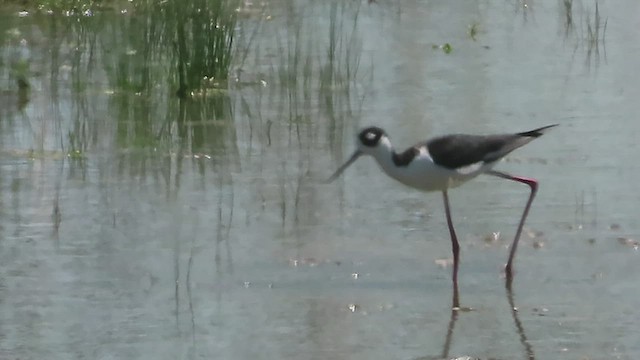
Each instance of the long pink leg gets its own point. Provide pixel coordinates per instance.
(456, 250)
(533, 184)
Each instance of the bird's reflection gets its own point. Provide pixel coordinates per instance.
(455, 313)
(528, 349)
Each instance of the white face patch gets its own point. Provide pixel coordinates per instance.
(370, 136)
(385, 142)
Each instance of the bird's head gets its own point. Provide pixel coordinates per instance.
(370, 141)
(371, 138)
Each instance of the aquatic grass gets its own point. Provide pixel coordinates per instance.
(446, 48)
(179, 49)
(111, 78)
(186, 45)
(246, 36)
(473, 31)
(203, 43)
(139, 63)
(15, 64)
(20, 71)
(67, 7)
(158, 50)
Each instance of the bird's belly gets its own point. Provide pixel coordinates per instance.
(431, 177)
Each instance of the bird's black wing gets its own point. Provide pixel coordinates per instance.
(459, 150)
(456, 151)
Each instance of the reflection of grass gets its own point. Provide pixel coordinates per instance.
(20, 72)
(596, 29)
(568, 14)
(344, 49)
(592, 26)
(312, 66)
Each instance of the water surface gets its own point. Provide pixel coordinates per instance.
(134, 224)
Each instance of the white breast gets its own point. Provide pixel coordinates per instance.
(423, 174)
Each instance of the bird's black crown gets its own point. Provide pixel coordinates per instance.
(371, 136)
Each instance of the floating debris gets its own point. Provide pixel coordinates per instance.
(538, 244)
(446, 48)
(540, 311)
(352, 307)
(311, 262)
(615, 226)
(247, 284)
(629, 242)
(355, 276)
(444, 263)
(463, 309)
(493, 237)
(597, 276)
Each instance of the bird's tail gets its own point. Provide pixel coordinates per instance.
(512, 142)
(537, 132)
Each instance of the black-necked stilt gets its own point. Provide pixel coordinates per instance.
(446, 162)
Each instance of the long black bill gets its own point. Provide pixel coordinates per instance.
(342, 168)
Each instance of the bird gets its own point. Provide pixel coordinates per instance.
(446, 162)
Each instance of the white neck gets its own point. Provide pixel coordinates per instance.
(383, 154)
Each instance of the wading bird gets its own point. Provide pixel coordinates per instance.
(446, 162)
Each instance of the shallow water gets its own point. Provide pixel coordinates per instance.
(136, 226)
